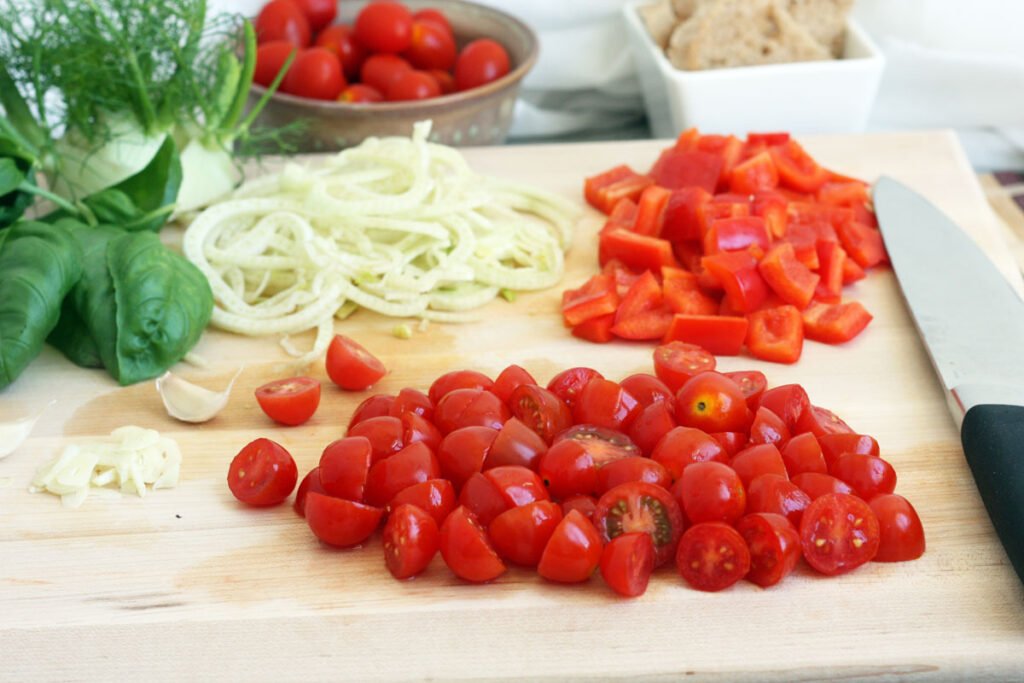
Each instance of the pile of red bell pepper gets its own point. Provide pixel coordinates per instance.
(728, 243)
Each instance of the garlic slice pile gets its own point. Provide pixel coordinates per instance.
(14, 433)
(191, 403)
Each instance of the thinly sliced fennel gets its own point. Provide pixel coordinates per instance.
(398, 225)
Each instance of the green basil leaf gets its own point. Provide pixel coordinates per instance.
(154, 189)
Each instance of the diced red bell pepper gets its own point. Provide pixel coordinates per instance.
(864, 214)
(756, 174)
(721, 335)
(817, 218)
(682, 293)
(805, 244)
(797, 169)
(835, 323)
(623, 215)
(737, 272)
(768, 139)
(643, 295)
(787, 276)
(843, 193)
(851, 271)
(598, 330)
(604, 190)
(650, 211)
(687, 140)
(682, 219)
(771, 206)
(689, 255)
(715, 210)
(675, 169)
(830, 257)
(622, 276)
(597, 296)
(645, 325)
(730, 234)
(728, 147)
(776, 334)
(862, 243)
(638, 252)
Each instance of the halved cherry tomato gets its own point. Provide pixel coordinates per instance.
(582, 503)
(411, 400)
(653, 422)
(352, 367)
(756, 460)
(458, 379)
(289, 401)
(481, 61)
(900, 530)
(482, 497)
(712, 556)
(384, 26)
(413, 464)
(515, 444)
(640, 506)
(518, 485)
(467, 407)
(375, 406)
(816, 485)
(774, 545)
(606, 404)
(752, 383)
(541, 410)
(340, 40)
(386, 434)
(835, 445)
(732, 442)
(626, 470)
(262, 474)
(436, 497)
(867, 475)
(568, 384)
(627, 562)
(410, 541)
(344, 465)
(573, 551)
(603, 444)
(520, 534)
(567, 469)
(768, 427)
(839, 533)
(821, 421)
(339, 522)
(712, 402)
(510, 378)
(647, 389)
(803, 454)
(676, 362)
(310, 483)
(462, 452)
(788, 401)
(467, 550)
(683, 446)
(712, 491)
(775, 494)
(357, 93)
(282, 20)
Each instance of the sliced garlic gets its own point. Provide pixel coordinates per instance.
(191, 403)
(14, 433)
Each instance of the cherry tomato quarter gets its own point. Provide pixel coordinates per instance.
(627, 562)
(640, 506)
(900, 530)
(573, 552)
(289, 401)
(352, 367)
(410, 541)
(839, 532)
(466, 548)
(339, 522)
(385, 433)
(262, 474)
(510, 378)
(712, 556)
(384, 26)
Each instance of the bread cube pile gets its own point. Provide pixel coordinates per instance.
(715, 34)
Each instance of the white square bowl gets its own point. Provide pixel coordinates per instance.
(830, 96)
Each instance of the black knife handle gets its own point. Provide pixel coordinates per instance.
(993, 441)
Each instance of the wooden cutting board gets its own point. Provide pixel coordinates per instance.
(187, 583)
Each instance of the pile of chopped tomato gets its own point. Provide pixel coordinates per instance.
(728, 243)
(712, 471)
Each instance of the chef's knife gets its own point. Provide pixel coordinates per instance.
(972, 323)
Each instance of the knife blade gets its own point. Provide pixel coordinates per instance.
(972, 323)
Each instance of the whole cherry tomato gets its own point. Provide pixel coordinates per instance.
(270, 59)
(262, 474)
(480, 62)
(377, 72)
(360, 93)
(316, 74)
(412, 85)
(318, 13)
(434, 16)
(430, 46)
(384, 26)
(282, 20)
(712, 402)
(339, 39)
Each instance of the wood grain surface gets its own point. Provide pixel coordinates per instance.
(187, 584)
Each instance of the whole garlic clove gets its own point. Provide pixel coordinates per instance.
(189, 402)
(14, 433)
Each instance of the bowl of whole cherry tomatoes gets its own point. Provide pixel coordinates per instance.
(362, 69)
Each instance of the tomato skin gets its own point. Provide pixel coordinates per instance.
(436, 497)
(900, 530)
(603, 444)
(580, 502)
(360, 93)
(430, 46)
(654, 422)
(756, 460)
(468, 407)
(541, 410)
(416, 428)
(340, 40)
(412, 85)
(626, 470)
(517, 485)
(386, 435)
(867, 475)
(375, 406)
(568, 384)
(480, 62)
(411, 400)
(270, 59)
(463, 451)
(712, 402)
(835, 445)
(351, 366)
(384, 26)
(310, 484)
(567, 469)
(676, 362)
(434, 16)
(684, 446)
(378, 70)
(606, 404)
(816, 485)
(774, 545)
(627, 562)
(640, 506)
(774, 494)
(410, 541)
(839, 532)
(573, 552)
(803, 454)
(413, 464)
(339, 522)
(318, 13)
(768, 427)
(520, 534)
(458, 379)
(282, 20)
(343, 468)
(648, 389)
(289, 401)
(821, 421)
(732, 442)
(467, 550)
(752, 383)
(510, 378)
(712, 491)
(482, 497)
(788, 401)
(515, 444)
(712, 556)
(315, 73)
(262, 474)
